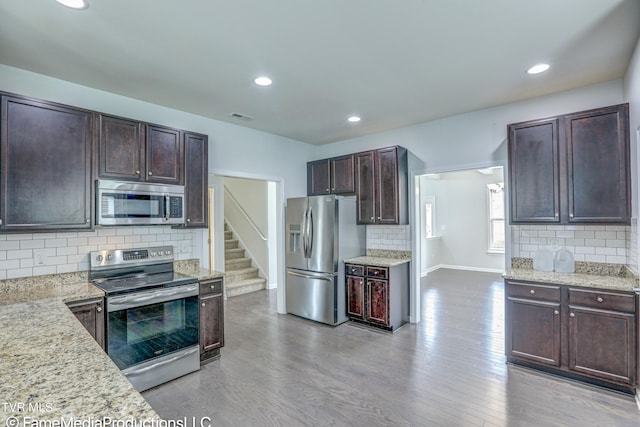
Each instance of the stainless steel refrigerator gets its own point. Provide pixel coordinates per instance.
(321, 233)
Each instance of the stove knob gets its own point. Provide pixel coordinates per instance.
(99, 258)
(109, 257)
(167, 253)
(152, 253)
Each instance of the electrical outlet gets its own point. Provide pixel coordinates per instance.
(39, 257)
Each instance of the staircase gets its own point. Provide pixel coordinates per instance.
(239, 277)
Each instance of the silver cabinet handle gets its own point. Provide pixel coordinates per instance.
(188, 219)
(599, 299)
(372, 218)
(570, 215)
(213, 286)
(137, 172)
(532, 292)
(556, 312)
(99, 309)
(572, 314)
(203, 304)
(150, 173)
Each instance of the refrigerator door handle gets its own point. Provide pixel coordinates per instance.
(304, 233)
(327, 277)
(309, 232)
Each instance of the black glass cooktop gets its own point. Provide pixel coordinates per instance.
(142, 281)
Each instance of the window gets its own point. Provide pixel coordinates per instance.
(430, 217)
(496, 217)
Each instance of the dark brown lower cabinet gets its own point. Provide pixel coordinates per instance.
(584, 333)
(378, 296)
(91, 314)
(211, 319)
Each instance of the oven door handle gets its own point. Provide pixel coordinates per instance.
(155, 295)
(164, 362)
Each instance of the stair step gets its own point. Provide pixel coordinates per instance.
(228, 235)
(241, 274)
(233, 253)
(236, 263)
(231, 243)
(242, 287)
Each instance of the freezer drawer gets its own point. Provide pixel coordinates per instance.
(312, 296)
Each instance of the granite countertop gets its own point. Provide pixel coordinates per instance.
(381, 258)
(588, 275)
(192, 268)
(50, 364)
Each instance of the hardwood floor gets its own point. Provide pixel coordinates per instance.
(449, 370)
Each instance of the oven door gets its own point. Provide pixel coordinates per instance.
(152, 325)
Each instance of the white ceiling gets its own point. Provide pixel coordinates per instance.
(393, 62)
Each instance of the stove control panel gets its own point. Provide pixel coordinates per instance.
(125, 257)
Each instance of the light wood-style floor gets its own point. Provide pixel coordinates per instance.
(447, 370)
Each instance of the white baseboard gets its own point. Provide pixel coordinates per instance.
(463, 267)
(272, 285)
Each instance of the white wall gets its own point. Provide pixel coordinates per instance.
(462, 215)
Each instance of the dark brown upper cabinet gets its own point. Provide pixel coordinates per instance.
(381, 186)
(121, 148)
(46, 166)
(331, 176)
(196, 179)
(135, 151)
(571, 169)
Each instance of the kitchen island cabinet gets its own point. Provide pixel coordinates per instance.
(46, 172)
(378, 295)
(571, 169)
(91, 315)
(585, 333)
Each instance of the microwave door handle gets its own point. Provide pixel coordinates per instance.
(167, 208)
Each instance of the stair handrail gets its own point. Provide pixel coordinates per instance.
(246, 215)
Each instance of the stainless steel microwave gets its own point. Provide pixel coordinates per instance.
(138, 203)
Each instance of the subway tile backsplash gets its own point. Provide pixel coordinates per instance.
(592, 243)
(389, 237)
(69, 252)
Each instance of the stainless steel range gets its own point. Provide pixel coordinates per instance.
(152, 314)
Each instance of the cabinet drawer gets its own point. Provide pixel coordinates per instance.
(211, 287)
(605, 300)
(533, 291)
(355, 270)
(378, 272)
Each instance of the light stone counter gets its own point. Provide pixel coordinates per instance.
(573, 279)
(381, 258)
(192, 268)
(50, 365)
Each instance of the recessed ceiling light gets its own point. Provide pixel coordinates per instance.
(538, 68)
(75, 4)
(353, 119)
(263, 81)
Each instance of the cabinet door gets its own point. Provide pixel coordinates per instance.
(164, 155)
(377, 302)
(355, 297)
(196, 180)
(533, 331)
(365, 187)
(46, 152)
(343, 175)
(121, 148)
(602, 344)
(533, 172)
(318, 177)
(387, 199)
(211, 319)
(91, 315)
(598, 165)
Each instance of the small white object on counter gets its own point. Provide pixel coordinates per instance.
(564, 262)
(543, 260)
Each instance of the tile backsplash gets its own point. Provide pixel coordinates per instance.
(389, 237)
(592, 243)
(69, 252)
